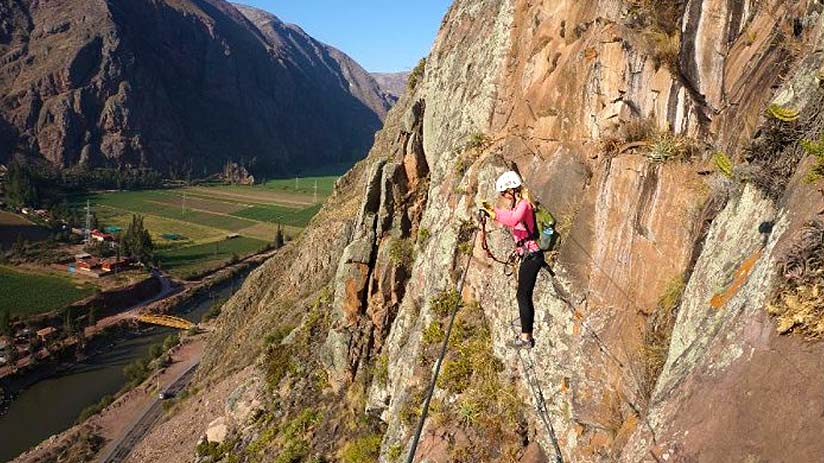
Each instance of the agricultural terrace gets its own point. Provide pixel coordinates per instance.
(24, 293)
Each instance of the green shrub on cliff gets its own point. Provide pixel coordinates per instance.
(476, 141)
(381, 369)
(362, 450)
(667, 146)
(466, 232)
(423, 235)
(416, 75)
(402, 253)
(723, 163)
(433, 333)
(475, 144)
(394, 453)
(814, 148)
(782, 113)
(445, 303)
(213, 452)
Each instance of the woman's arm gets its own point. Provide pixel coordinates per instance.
(512, 217)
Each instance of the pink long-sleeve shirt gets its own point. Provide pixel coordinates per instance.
(521, 222)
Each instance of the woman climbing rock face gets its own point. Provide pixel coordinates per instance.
(520, 219)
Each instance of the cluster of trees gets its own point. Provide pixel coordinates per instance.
(21, 186)
(28, 185)
(137, 371)
(110, 179)
(279, 239)
(137, 242)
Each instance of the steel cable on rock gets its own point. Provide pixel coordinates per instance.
(540, 403)
(600, 343)
(565, 298)
(527, 363)
(425, 407)
(528, 367)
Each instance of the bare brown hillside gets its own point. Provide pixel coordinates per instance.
(178, 86)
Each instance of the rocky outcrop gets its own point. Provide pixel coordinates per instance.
(653, 339)
(181, 87)
(392, 83)
(236, 174)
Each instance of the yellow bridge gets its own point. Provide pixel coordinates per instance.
(166, 320)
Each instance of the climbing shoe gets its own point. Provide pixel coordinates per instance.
(519, 343)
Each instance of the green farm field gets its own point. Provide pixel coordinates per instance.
(25, 293)
(278, 214)
(282, 192)
(202, 216)
(156, 203)
(305, 185)
(191, 260)
(187, 233)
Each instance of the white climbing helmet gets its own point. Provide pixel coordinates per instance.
(508, 180)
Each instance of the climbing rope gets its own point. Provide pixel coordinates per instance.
(509, 263)
(425, 407)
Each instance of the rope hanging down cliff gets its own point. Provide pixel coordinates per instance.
(528, 366)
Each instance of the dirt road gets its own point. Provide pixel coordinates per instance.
(118, 450)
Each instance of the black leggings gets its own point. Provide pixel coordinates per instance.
(527, 274)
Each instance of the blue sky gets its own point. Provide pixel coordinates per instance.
(382, 35)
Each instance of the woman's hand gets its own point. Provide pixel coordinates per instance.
(525, 195)
(487, 209)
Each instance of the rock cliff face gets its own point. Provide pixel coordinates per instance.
(672, 160)
(172, 84)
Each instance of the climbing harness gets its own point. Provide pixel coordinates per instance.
(439, 362)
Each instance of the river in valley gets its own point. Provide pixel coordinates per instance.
(53, 404)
